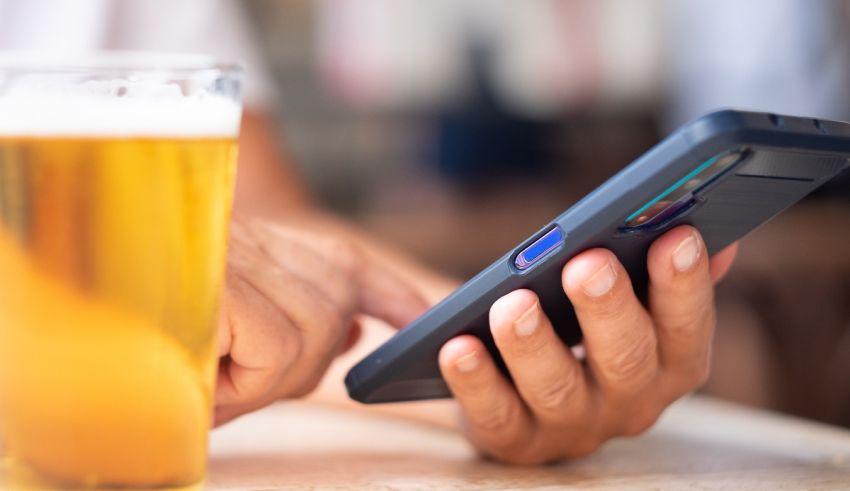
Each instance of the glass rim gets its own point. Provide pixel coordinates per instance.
(113, 62)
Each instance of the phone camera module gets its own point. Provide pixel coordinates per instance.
(680, 196)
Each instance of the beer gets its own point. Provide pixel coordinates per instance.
(112, 251)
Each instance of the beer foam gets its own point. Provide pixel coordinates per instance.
(116, 108)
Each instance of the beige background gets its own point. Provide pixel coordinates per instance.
(700, 443)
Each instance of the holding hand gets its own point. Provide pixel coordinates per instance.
(638, 359)
(289, 307)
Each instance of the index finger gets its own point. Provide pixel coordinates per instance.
(380, 292)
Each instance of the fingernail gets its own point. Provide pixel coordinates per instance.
(600, 282)
(686, 254)
(467, 362)
(527, 323)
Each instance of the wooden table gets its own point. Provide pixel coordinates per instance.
(700, 443)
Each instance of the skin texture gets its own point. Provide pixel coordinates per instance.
(298, 280)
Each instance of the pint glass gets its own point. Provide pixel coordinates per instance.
(116, 181)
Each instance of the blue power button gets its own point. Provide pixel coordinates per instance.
(539, 248)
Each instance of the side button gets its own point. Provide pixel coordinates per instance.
(539, 248)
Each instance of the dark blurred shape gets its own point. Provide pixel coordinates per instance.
(480, 140)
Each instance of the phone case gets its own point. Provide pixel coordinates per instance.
(780, 159)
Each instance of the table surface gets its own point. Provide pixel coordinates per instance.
(700, 443)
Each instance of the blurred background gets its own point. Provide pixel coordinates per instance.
(455, 128)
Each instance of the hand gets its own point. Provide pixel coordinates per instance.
(638, 359)
(289, 306)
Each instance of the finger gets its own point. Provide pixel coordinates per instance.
(264, 344)
(300, 255)
(315, 321)
(384, 295)
(380, 292)
(681, 299)
(545, 372)
(320, 323)
(618, 333)
(498, 422)
(720, 263)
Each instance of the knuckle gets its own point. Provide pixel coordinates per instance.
(556, 394)
(631, 360)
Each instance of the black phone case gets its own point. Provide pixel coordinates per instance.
(787, 158)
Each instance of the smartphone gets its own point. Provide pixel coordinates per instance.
(725, 173)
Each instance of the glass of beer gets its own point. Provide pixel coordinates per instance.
(116, 182)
